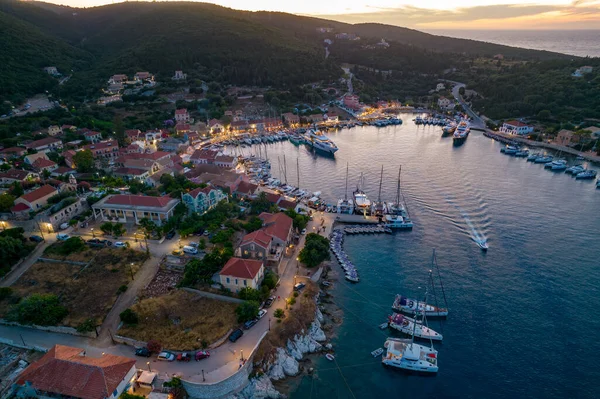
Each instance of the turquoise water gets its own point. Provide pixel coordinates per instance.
(523, 317)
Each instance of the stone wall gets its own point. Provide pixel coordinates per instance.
(213, 296)
(56, 329)
(226, 387)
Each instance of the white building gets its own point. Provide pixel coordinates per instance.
(242, 273)
(133, 208)
(516, 127)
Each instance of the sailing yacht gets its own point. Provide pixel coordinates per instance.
(345, 205)
(321, 142)
(406, 355)
(413, 327)
(361, 201)
(397, 217)
(378, 208)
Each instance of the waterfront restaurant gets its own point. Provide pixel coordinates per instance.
(133, 208)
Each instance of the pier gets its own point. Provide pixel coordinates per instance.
(356, 219)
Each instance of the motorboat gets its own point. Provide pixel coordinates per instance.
(407, 325)
(321, 142)
(448, 129)
(361, 201)
(556, 162)
(559, 167)
(544, 159)
(522, 153)
(533, 157)
(461, 132)
(409, 306)
(352, 277)
(585, 175)
(509, 150)
(330, 357)
(575, 169)
(482, 244)
(406, 355)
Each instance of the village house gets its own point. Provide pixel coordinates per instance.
(68, 155)
(13, 175)
(245, 190)
(215, 126)
(54, 130)
(37, 198)
(201, 200)
(42, 164)
(179, 75)
(104, 149)
(133, 208)
(12, 152)
(182, 115)
(440, 87)
(182, 128)
(242, 273)
(255, 245)
(115, 79)
(132, 135)
(192, 138)
(141, 76)
(566, 137)
(239, 126)
(93, 137)
(278, 226)
(68, 372)
(51, 70)
(31, 158)
(173, 144)
(62, 171)
(71, 128)
(202, 156)
(351, 101)
(445, 103)
(225, 161)
(291, 119)
(47, 144)
(516, 127)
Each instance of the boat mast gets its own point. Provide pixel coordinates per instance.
(440, 278)
(380, 183)
(412, 338)
(284, 169)
(398, 190)
(346, 192)
(298, 172)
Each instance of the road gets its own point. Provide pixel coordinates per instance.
(224, 360)
(476, 122)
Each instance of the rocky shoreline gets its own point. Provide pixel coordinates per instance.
(294, 360)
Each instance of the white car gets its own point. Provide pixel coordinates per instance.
(168, 356)
(120, 244)
(303, 231)
(261, 313)
(190, 250)
(62, 237)
(64, 226)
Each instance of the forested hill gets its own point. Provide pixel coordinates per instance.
(217, 43)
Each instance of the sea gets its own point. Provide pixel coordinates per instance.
(581, 43)
(523, 317)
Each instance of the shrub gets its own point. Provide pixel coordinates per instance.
(71, 245)
(5, 292)
(86, 326)
(40, 309)
(292, 301)
(154, 346)
(247, 311)
(122, 289)
(128, 316)
(249, 294)
(270, 280)
(296, 294)
(279, 313)
(315, 251)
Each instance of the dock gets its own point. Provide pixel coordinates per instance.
(356, 219)
(367, 230)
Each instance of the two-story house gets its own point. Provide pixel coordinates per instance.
(182, 115)
(203, 199)
(47, 144)
(255, 245)
(93, 137)
(242, 273)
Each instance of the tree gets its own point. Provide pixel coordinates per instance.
(461, 91)
(72, 245)
(249, 294)
(107, 227)
(129, 317)
(118, 230)
(119, 130)
(6, 202)
(148, 226)
(300, 221)
(315, 251)
(246, 311)
(279, 313)
(39, 309)
(260, 204)
(253, 224)
(84, 161)
(270, 280)
(17, 189)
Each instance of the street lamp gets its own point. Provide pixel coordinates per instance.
(131, 270)
(93, 235)
(242, 354)
(269, 324)
(148, 364)
(295, 279)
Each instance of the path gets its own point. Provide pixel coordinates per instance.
(18, 271)
(477, 122)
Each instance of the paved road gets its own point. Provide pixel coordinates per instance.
(477, 122)
(224, 360)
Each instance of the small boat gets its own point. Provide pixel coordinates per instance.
(330, 357)
(587, 174)
(575, 169)
(543, 159)
(509, 150)
(522, 153)
(533, 157)
(352, 277)
(377, 352)
(409, 306)
(556, 162)
(383, 326)
(580, 158)
(482, 244)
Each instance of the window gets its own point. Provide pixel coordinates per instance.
(246, 252)
(227, 280)
(245, 283)
(236, 281)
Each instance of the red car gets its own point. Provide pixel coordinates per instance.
(184, 357)
(202, 355)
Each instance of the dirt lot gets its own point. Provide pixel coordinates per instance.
(181, 320)
(87, 292)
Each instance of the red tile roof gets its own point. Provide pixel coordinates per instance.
(181, 111)
(277, 225)
(241, 268)
(246, 188)
(63, 370)
(39, 193)
(286, 204)
(209, 155)
(15, 174)
(257, 237)
(13, 150)
(43, 163)
(139, 200)
(43, 142)
(516, 123)
(20, 207)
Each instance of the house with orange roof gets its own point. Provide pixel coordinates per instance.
(255, 245)
(125, 208)
(42, 164)
(241, 273)
(37, 198)
(65, 371)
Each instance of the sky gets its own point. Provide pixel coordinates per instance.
(428, 14)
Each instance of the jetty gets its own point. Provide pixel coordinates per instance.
(356, 219)
(367, 230)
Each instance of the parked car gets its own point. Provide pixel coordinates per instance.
(64, 226)
(164, 355)
(35, 238)
(120, 244)
(303, 231)
(97, 242)
(193, 244)
(190, 250)
(177, 252)
(184, 357)
(299, 286)
(202, 355)
(143, 352)
(170, 234)
(236, 335)
(261, 313)
(249, 324)
(269, 302)
(62, 237)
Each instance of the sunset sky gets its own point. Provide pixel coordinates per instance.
(429, 14)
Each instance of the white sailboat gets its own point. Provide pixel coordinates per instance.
(345, 205)
(361, 201)
(397, 217)
(413, 327)
(405, 354)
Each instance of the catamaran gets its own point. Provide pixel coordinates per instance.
(397, 217)
(319, 141)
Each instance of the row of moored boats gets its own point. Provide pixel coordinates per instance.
(337, 238)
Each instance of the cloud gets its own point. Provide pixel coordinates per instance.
(581, 14)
